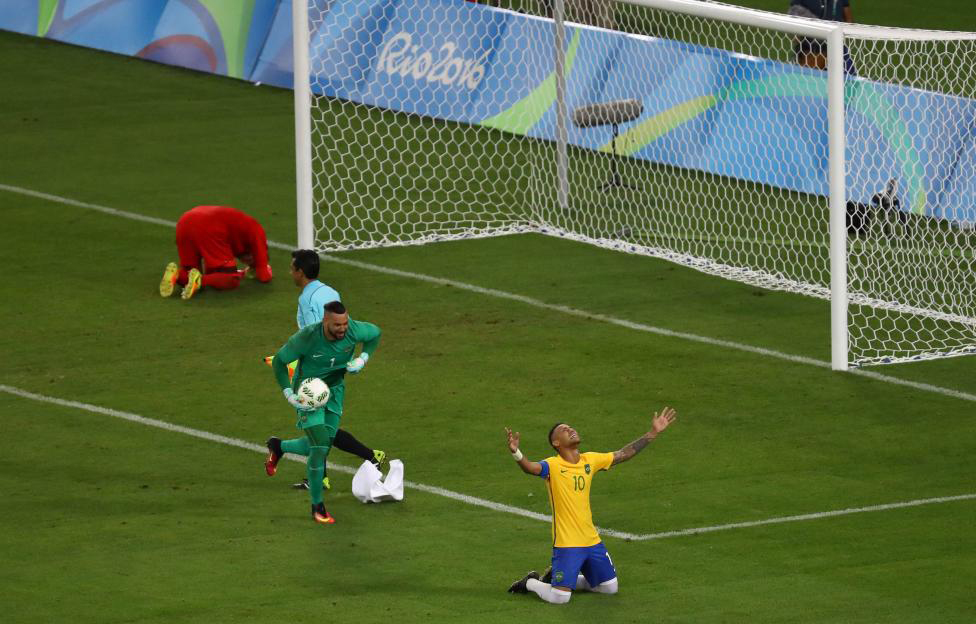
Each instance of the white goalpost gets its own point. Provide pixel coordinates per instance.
(303, 125)
(826, 159)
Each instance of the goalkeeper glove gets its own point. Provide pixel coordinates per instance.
(357, 364)
(296, 401)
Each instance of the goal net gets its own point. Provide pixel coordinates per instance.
(911, 117)
(695, 132)
(409, 143)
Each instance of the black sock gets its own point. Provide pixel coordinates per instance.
(345, 441)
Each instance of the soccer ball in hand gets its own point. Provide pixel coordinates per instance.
(314, 392)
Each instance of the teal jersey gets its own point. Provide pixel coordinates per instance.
(311, 302)
(325, 359)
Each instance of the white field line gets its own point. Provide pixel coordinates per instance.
(464, 498)
(213, 437)
(530, 301)
(810, 516)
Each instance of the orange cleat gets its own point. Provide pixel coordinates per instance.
(320, 515)
(274, 456)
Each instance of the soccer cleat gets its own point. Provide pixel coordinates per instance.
(193, 281)
(168, 284)
(378, 458)
(547, 576)
(274, 456)
(303, 484)
(518, 587)
(268, 360)
(320, 515)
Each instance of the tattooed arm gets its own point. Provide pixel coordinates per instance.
(659, 423)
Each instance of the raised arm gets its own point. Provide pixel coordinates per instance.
(528, 467)
(659, 423)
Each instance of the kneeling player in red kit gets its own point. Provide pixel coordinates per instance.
(210, 241)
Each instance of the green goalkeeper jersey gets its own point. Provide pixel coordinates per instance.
(322, 358)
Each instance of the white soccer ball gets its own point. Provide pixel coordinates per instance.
(314, 392)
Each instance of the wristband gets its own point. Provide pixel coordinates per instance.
(517, 455)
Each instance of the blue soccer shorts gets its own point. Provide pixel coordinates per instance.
(593, 561)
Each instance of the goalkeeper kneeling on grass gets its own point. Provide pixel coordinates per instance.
(324, 350)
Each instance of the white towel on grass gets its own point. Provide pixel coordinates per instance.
(369, 485)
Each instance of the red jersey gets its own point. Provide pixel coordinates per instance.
(219, 235)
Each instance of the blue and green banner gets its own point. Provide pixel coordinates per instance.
(704, 108)
(216, 36)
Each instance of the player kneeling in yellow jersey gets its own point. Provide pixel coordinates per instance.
(579, 558)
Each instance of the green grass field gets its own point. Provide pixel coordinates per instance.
(110, 520)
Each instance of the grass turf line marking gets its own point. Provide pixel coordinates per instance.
(501, 294)
(464, 498)
(809, 516)
(213, 437)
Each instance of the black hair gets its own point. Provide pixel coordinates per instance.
(335, 307)
(306, 261)
(552, 431)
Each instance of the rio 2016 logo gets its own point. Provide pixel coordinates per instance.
(401, 56)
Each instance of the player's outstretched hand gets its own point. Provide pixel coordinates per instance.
(356, 364)
(296, 401)
(661, 421)
(513, 440)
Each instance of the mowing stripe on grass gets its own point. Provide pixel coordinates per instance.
(464, 498)
(501, 294)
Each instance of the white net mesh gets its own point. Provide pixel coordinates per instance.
(910, 116)
(397, 158)
(689, 179)
(687, 138)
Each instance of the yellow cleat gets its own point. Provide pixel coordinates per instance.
(326, 484)
(379, 457)
(168, 284)
(193, 281)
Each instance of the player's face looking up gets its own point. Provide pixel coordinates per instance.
(335, 325)
(564, 436)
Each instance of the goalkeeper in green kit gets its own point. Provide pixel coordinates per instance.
(325, 350)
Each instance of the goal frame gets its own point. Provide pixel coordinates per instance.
(834, 33)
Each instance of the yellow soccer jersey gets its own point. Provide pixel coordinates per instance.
(569, 495)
